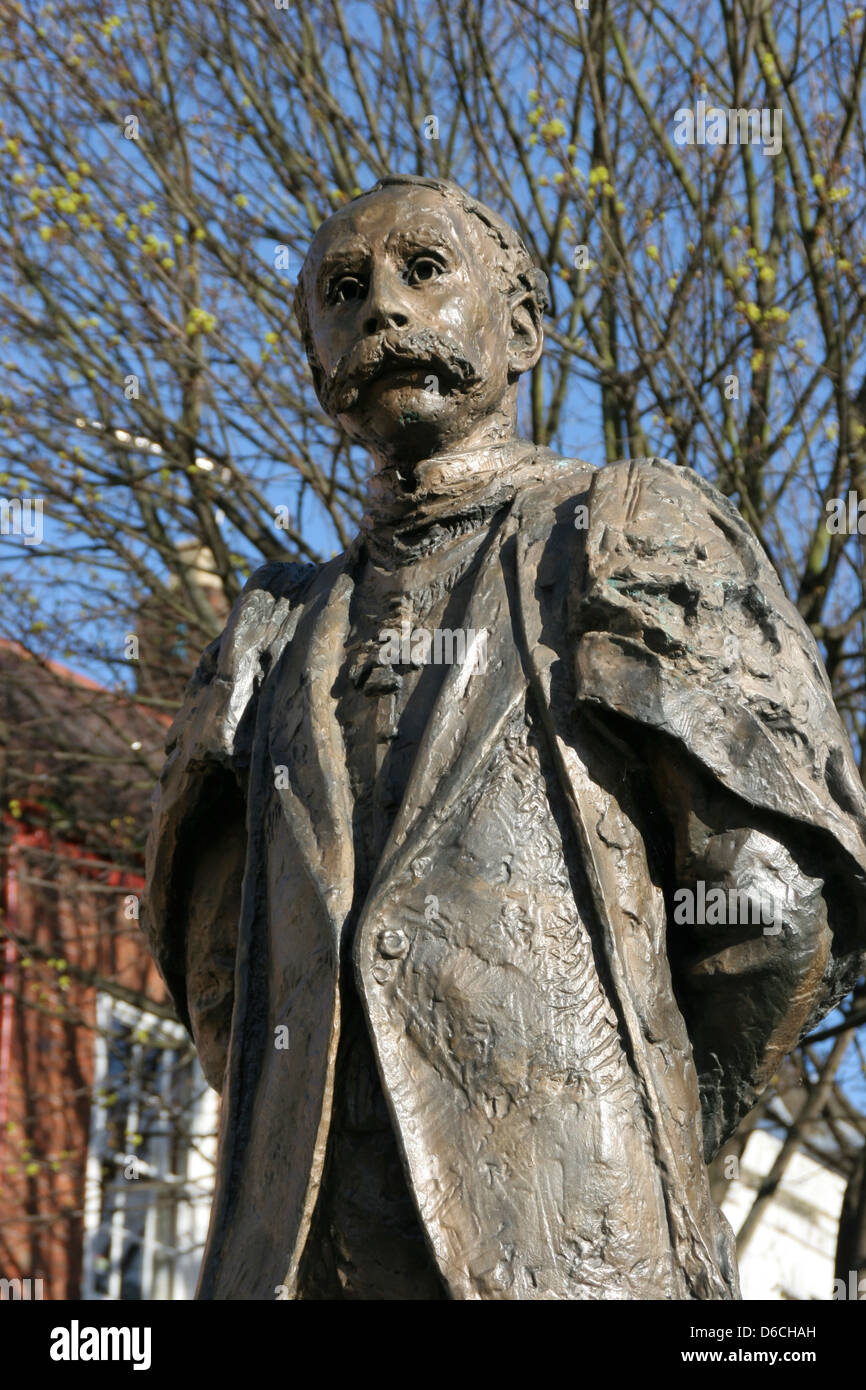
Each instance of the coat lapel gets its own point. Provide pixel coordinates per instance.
(307, 748)
(466, 721)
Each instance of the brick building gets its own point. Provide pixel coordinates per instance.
(106, 1124)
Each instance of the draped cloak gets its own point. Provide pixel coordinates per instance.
(631, 597)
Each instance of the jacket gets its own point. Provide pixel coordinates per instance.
(628, 598)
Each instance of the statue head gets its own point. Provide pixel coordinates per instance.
(419, 309)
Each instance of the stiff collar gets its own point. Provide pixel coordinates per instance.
(453, 493)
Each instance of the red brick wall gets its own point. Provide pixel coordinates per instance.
(70, 913)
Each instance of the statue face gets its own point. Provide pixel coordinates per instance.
(416, 341)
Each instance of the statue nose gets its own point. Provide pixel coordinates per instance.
(384, 307)
(383, 317)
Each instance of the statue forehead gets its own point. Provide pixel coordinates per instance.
(390, 211)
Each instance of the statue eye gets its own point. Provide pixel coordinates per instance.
(422, 270)
(345, 288)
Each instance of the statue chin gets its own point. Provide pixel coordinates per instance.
(404, 416)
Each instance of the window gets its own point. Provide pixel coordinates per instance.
(150, 1162)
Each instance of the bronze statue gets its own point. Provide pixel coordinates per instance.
(434, 812)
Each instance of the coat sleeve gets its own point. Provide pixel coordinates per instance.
(196, 851)
(685, 634)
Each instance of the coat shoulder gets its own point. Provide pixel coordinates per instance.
(232, 665)
(636, 494)
(683, 625)
(639, 495)
(673, 553)
(268, 595)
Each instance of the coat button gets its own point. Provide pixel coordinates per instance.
(393, 943)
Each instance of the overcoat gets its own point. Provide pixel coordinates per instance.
(626, 600)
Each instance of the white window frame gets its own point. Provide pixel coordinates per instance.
(188, 1193)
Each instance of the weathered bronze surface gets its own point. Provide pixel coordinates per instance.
(423, 917)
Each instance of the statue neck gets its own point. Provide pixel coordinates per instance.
(449, 476)
(451, 494)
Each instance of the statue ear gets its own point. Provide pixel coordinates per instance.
(527, 334)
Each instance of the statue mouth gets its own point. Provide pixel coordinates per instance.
(424, 376)
(422, 361)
